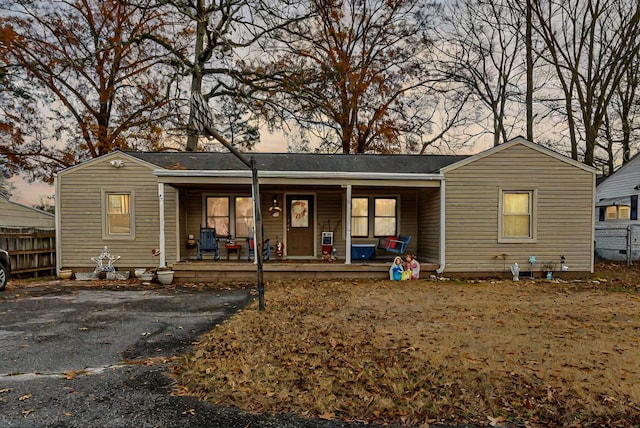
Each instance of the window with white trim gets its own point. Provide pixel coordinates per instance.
(517, 219)
(244, 217)
(385, 217)
(218, 214)
(118, 220)
(360, 217)
(618, 212)
(230, 219)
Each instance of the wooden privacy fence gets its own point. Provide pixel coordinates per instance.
(32, 251)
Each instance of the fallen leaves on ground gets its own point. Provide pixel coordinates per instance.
(421, 352)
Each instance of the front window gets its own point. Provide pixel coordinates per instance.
(517, 215)
(384, 222)
(360, 217)
(244, 217)
(119, 220)
(218, 214)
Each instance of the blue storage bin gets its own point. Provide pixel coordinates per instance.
(363, 251)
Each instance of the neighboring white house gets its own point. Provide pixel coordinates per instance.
(617, 224)
(14, 215)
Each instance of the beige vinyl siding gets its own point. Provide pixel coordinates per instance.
(81, 214)
(329, 219)
(408, 213)
(428, 246)
(564, 214)
(14, 215)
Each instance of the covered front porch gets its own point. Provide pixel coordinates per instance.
(322, 221)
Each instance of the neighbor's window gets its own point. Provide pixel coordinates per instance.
(384, 221)
(244, 217)
(118, 214)
(218, 214)
(517, 215)
(360, 217)
(622, 212)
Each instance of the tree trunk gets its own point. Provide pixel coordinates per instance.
(196, 74)
(529, 49)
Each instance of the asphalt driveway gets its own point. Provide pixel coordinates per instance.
(73, 355)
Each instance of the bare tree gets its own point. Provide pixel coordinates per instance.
(622, 120)
(355, 75)
(226, 32)
(6, 188)
(591, 45)
(480, 47)
(88, 77)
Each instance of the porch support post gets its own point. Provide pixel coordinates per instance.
(163, 256)
(347, 250)
(443, 223)
(257, 243)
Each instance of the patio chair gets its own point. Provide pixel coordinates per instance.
(266, 249)
(208, 243)
(393, 244)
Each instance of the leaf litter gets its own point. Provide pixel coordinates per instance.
(420, 352)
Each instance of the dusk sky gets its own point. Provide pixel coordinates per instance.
(31, 193)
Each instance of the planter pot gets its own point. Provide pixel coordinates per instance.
(86, 276)
(65, 274)
(146, 278)
(165, 277)
(114, 276)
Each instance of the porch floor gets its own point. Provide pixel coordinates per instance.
(229, 271)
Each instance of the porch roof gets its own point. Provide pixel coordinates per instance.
(300, 162)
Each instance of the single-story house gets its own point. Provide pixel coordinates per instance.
(14, 215)
(470, 215)
(617, 223)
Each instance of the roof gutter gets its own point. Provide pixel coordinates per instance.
(324, 175)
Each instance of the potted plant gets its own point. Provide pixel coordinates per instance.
(165, 275)
(65, 274)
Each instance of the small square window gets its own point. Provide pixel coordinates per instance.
(624, 212)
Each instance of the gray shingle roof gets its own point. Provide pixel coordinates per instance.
(202, 161)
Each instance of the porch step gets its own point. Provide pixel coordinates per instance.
(223, 271)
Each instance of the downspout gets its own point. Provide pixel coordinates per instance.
(442, 228)
(163, 256)
(347, 250)
(56, 181)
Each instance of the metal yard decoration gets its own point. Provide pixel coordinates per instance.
(203, 121)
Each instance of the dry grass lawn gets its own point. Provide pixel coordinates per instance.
(420, 352)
